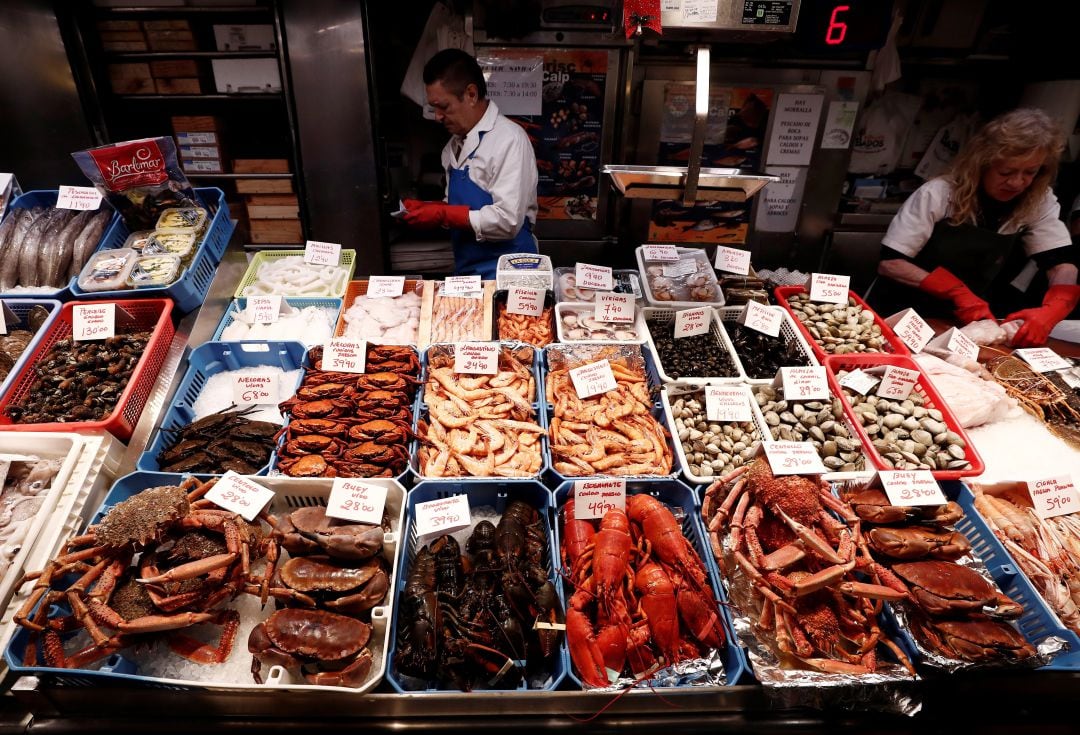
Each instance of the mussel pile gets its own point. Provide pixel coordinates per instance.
(762, 355)
(79, 381)
(220, 442)
(701, 356)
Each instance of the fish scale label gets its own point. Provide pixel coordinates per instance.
(266, 309)
(897, 383)
(659, 254)
(443, 515)
(239, 495)
(1043, 359)
(596, 277)
(761, 318)
(793, 458)
(911, 328)
(615, 308)
(356, 500)
(692, 322)
(82, 198)
(385, 286)
(254, 389)
(732, 260)
(91, 322)
(465, 286)
(804, 383)
(593, 379)
(594, 498)
(829, 288)
(859, 381)
(322, 253)
(724, 403)
(345, 355)
(911, 487)
(1054, 496)
(476, 358)
(525, 301)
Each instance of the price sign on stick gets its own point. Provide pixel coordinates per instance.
(78, 197)
(345, 355)
(476, 358)
(692, 322)
(443, 515)
(897, 383)
(93, 322)
(859, 381)
(322, 253)
(726, 403)
(266, 309)
(239, 495)
(594, 498)
(829, 288)
(1043, 359)
(732, 260)
(660, 254)
(385, 286)
(525, 301)
(593, 379)
(804, 383)
(911, 487)
(761, 318)
(357, 501)
(468, 286)
(1054, 496)
(596, 277)
(793, 458)
(249, 390)
(617, 308)
(911, 329)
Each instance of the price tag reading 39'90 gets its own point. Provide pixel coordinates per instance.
(239, 495)
(911, 487)
(829, 288)
(345, 356)
(596, 277)
(594, 498)
(616, 308)
(443, 515)
(793, 458)
(692, 322)
(476, 358)
(525, 301)
(356, 500)
(1054, 496)
(897, 383)
(593, 379)
(91, 322)
(761, 318)
(322, 253)
(726, 403)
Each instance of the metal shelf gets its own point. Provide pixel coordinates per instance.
(184, 9)
(261, 96)
(225, 177)
(119, 55)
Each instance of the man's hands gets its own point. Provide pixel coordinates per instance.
(435, 214)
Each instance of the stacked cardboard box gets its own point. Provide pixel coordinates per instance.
(131, 79)
(169, 35)
(198, 141)
(176, 77)
(122, 35)
(272, 207)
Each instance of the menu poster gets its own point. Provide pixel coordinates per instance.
(567, 132)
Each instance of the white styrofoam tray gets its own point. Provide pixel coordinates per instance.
(695, 253)
(584, 309)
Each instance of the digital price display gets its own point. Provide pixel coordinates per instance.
(843, 25)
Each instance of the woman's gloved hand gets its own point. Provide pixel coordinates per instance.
(1059, 301)
(435, 214)
(967, 306)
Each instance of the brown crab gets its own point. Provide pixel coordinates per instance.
(973, 640)
(917, 542)
(311, 531)
(943, 588)
(335, 645)
(319, 581)
(872, 505)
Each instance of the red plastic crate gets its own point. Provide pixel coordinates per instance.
(132, 315)
(923, 386)
(897, 347)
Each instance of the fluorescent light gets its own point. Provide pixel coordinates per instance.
(702, 100)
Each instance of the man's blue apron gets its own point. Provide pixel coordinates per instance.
(480, 258)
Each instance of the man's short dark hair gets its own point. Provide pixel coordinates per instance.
(456, 70)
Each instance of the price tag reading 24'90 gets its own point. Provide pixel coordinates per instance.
(617, 308)
(897, 383)
(239, 495)
(829, 288)
(916, 487)
(265, 309)
(345, 355)
(443, 515)
(91, 322)
(593, 379)
(385, 286)
(322, 253)
(793, 458)
(761, 318)
(476, 358)
(594, 498)
(596, 277)
(726, 403)
(356, 500)
(525, 301)
(1054, 496)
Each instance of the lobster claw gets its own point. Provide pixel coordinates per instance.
(584, 650)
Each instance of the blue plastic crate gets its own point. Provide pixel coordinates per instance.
(497, 495)
(205, 361)
(21, 308)
(189, 291)
(239, 305)
(652, 373)
(1038, 620)
(677, 495)
(47, 198)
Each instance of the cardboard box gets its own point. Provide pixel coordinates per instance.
(200, 152)
(246, 75)
(170, 40)
(174, 69)
(167, 25)
(276, 200)
(178, 86)
(202, 167)
(105, 26)
(195, 124)
(131, 79)
(272, 231)
(264, 186)
(183, 139)
(124, 46)
(261, 165)
(273, 212)
(109, 36)
(245, 38)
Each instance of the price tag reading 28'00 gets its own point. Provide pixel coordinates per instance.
(793, 458)
(356, 500)
(239, 495)
(1054, 496)
(596, 277)
(443, 515)
(594, 498)
(92, 322)
(829, 288)
(916, 487)
(345, 355)
(593, 379)
(617, 308)
(525, 301)
(726, 403)
(476, 358)
(692, 322)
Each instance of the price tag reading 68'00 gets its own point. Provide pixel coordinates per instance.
(443, 515)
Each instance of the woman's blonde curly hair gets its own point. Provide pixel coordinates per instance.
(1016, 133)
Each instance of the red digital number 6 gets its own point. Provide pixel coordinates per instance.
(836, 25)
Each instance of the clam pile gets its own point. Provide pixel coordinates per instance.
(712, 448)
(818, 422)
(839, 329)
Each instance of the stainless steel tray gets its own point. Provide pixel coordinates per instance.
(669, 182)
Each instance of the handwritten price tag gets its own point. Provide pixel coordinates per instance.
(859, 381)
(911, 328)
(660, 253)
(322, 253)
(723, 403)
(385, 286)
(1043, 359)
(804, 383)
(593, 379)
(692, 322)
(253, 389)
(357, 501)
(793, 458)
(476, 358)
(1054, 496)
(829, 288)
(897, 383)
(732, 260)
(594, 498)
(617, 308)
(525, 301)
(78, 197)
(761, 318)
(466, 286)
(345, 355)
(443, 515)
(597, 277)
(265, 309)
(962, 345)
(239, 495)
(93, 322)
(916, 487)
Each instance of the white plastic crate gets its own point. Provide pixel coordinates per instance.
(723, 341)
(684, 254)
(788, 332)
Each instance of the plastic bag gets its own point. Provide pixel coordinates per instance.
(140, 178)
(946, 144)
(985, 332)
(881, 133)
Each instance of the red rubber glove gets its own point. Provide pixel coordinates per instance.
(436, 214)
(1038, 323)
(944, 285)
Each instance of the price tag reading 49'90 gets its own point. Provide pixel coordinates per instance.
(1054, 496)
(92, 322)
(594, 498)
(443, 515)
(356, 500)
(239, 495)
(916, 487)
